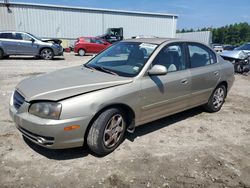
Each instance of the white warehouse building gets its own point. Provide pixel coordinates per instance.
(64, 22)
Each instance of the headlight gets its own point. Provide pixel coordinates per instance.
(48, 110)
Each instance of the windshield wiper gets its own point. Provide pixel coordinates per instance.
(104, 70)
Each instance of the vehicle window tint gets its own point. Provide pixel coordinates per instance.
(244, 47)
(98, 41)
(125, 58)
(5, 35)
(17, 36)
(87, 40)
(172, 57)
(200, 55)
(92, 40)
(26, 37)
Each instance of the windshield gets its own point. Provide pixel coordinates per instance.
(123, 59)
(37, 38)
(244, 47)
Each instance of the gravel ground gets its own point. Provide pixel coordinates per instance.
(189, 149)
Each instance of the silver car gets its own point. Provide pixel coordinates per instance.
(21, 43)
(129, 84)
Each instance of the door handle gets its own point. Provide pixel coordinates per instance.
(184, 81)
(216, 73)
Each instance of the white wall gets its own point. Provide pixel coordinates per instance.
(63, 22)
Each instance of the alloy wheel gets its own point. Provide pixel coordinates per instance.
(47, 54)
(218, 97)
(113, 131)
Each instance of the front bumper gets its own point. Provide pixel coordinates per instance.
(49, 133)
(58, 51)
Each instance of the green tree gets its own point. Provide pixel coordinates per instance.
(235, 34)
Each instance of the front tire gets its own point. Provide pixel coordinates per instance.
(47, 54)
(217, 99)
(107, 131)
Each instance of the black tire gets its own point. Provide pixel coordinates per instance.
(6, 56)
(215, 102)
(81, 52)
(47, 54)
(1, 54)
(101, 137)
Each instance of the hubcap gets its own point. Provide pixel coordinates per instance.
(81, 52)
(218, 98)
(47, 54)
(113, 131)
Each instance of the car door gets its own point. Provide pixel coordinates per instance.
(205, 72)
(101, 45)
(9, 45)
(170, 93)
(96, 45)
(24, 44)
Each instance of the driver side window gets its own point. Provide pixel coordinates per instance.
(172, 57)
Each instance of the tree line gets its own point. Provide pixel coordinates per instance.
(234, 34)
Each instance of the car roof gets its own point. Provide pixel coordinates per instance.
(12, 32)
(157, 41)
(90, 37)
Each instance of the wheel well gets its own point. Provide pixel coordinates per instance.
(44, 48)
(128, 111)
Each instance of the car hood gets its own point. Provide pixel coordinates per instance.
(67, 83)
(235, 54)
(56, 41)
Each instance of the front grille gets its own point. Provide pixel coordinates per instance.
(18, 100)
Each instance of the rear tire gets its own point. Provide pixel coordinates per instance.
(217, 99)
(81, 52)
(107, 131)
(47, 54)
(1, 54)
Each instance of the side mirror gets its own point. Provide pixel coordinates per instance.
(157, 70)
(32, 40)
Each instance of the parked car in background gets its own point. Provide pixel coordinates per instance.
(22, 43)
(129, 84)
(239, 57)
(113, 35)
(228, 47)
(85, 45)
(217, 47)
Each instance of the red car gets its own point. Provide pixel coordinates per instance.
(85, 45)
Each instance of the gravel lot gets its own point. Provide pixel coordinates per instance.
(190, 149)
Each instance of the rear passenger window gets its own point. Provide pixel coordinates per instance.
(200, 55)
(17, 36)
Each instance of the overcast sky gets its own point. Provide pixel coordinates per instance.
(192, 13)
